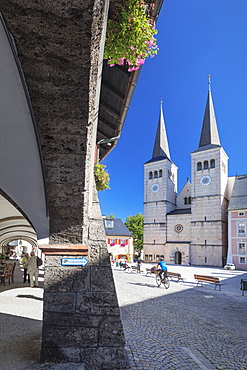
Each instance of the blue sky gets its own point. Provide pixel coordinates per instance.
(195, 38)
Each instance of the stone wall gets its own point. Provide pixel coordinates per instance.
(60, 46)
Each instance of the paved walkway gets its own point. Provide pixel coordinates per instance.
(184, 327)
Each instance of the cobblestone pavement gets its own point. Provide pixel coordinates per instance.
(184, 327)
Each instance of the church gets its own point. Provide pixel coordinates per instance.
(189, 228)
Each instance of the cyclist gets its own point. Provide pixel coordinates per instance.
(162, 269)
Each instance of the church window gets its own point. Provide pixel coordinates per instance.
(189, 200)
(155, 174)
(212, 163)
(160, 173)
(205, 165)
(185, 200)
(241, 228)
(150, 175)
(199, 166)
(241, 247)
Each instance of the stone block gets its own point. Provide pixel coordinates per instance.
(67, 279)
(111, 332)
(57, 336)
(97, 303)
(102, 279)
(71, 320)
(59, 302)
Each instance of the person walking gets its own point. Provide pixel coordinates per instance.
(33, 270)
(24, 261)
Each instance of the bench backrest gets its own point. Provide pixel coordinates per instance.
(210, 279)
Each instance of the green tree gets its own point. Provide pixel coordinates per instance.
(135, 226)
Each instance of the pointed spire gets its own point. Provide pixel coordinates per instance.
(209, 133)
(161, 148)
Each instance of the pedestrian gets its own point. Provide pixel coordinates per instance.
(33, 270)
(139, 262)
(24, 264)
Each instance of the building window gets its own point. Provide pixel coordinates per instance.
(212, 163)
(160, 173)
(242, 260)
(241, 229)
(123, 242)
(189, 200)
(157, 257)
(199, 166)
(150, 257)
(155, 174)
(150, 175)
(205, 165)
(146, 257)
(241, 213)
(241, 247)
(185, 200)
(112, 241)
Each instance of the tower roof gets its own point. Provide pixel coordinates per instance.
(209, 133)
(161, 148)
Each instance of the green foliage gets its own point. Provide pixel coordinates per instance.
(111, 216)
(135, 226)
(101, 176)
(130, 36)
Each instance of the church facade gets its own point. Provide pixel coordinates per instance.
(189, 228)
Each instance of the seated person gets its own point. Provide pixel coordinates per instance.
(162, 268)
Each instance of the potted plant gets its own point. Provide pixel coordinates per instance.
(130, 36)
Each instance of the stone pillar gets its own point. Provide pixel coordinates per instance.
(60, 46)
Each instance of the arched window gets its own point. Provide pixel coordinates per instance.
(212, 163)
(185, 200)
(151, 175)
(189, 200)
(160, 173)
(205, 165)
(155, 174)
(199, 166)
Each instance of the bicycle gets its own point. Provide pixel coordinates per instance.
(162, 280)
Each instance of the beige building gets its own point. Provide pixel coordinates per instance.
(191, 227)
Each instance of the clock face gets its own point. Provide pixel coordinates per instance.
(205, 180)
(155, 188)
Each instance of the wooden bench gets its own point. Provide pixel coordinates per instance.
(135, 268)
(172, 275)
(151, 271)
(208, 279)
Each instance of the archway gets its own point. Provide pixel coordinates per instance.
(178, 258)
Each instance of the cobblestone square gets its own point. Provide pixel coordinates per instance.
(184, 327)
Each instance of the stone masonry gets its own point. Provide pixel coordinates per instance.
(60, 47)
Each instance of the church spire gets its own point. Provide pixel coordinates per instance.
(209, 133)
(161, 148)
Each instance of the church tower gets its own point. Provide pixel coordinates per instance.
(160, 187)
(209, 167)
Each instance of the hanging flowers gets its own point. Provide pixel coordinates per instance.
(130, 36)
(101, 176)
